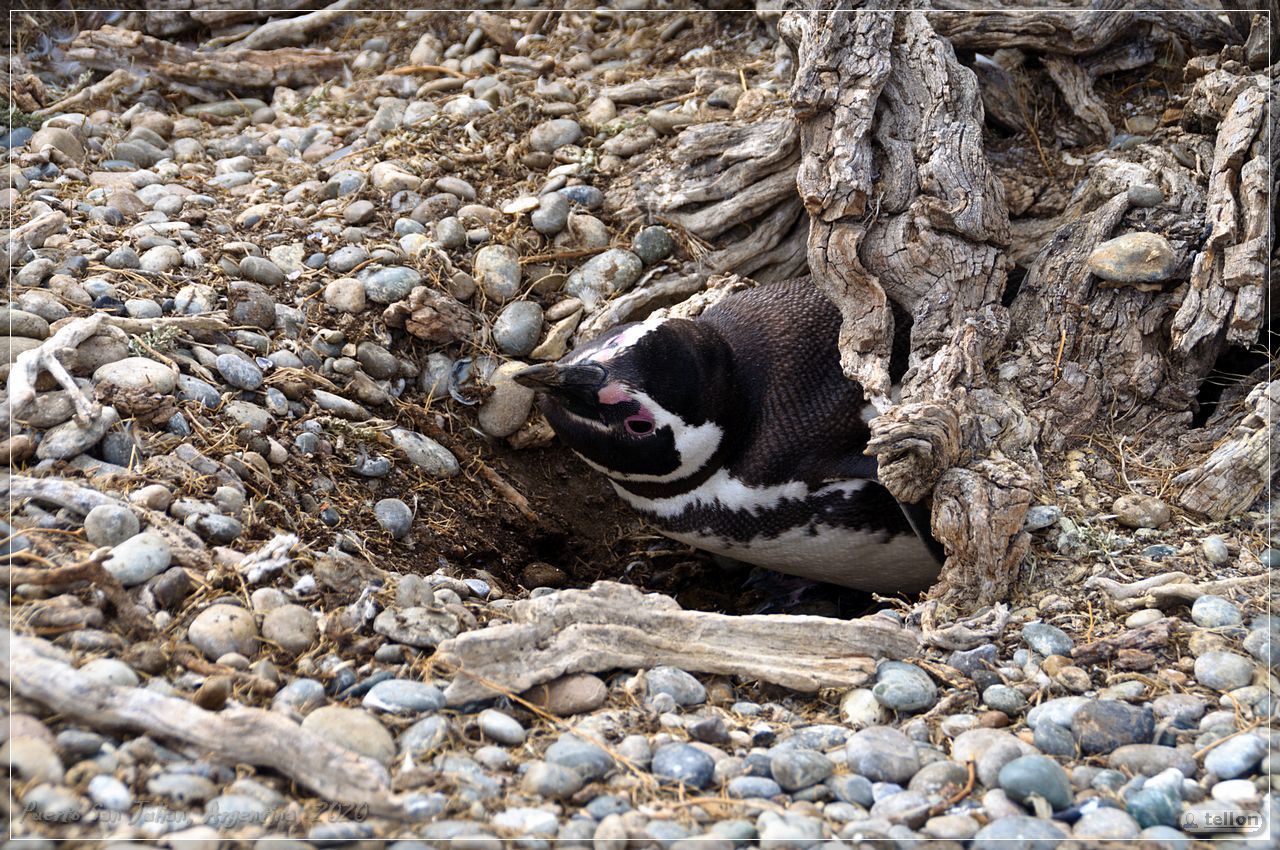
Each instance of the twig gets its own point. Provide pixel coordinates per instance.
(406, 70)
(92, 571)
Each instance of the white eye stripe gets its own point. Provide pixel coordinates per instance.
(616, 344)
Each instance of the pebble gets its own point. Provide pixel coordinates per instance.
(345, 294)
(555, 133)
(1134, 258)
(1235, 757)
(496, 269)
(683, 688)
(603, 276)
(32, 759)
(653, 244)
(1215, 549)
(508, 406)
(859, 709)
(1039, 776)
(882, 754)
(390, 284)
(1221, 670)
(552, 214)
(220, 629)
(1137, 511)
(238, 372)
(517, 328)
(1154, 807)
(501, 728)
(404, 696)
(683, 763)
(1020, 832)
(69, 439)
(291, 627)
(110, 793)
(904, 688)
(425, 453)
(139, 558)
(1106, 824)
(753, 787)
(110, 525)
(1103, 725)
(1046, 639)
(1150, 759)
(552, 781)
(591, 762)
(395, 517)
(795, 770)
(352, 729)
(261, 270)
(1212, 612)
(576, 693)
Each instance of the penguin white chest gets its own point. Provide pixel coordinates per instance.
(832, 533)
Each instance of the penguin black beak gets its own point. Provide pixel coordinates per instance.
(575, 379)
(544, 376)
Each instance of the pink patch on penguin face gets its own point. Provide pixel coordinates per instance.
(613, 393)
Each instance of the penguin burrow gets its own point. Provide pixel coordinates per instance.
(738, 433)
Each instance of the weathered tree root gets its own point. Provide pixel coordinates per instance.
(1167, 589)
(611, 626)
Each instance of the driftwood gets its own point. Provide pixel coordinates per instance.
(95, 94)
(109, 48)
(67, 336)
(31, 234)
(33, 669)
(612, 626)
(1150, 636)
(185, 546)
(1073, 32)
(92, 571)
(1168, 589)
(183, 16)
(904, 207)
(291, 32)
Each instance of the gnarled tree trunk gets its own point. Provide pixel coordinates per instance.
(905, 207)
(885, 178)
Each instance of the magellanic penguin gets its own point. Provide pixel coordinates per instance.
(738, 433)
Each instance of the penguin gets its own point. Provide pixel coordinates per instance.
(738, 433)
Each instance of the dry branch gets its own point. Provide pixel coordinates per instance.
(67, 336)
(92, 571)
(1167, 589)
(185, 546)
(1076, 32)
(109, 48)
(35, 670)
(291, 32)
(613, 625)
(1150, 636)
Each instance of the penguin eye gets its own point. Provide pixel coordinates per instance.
(638, 425)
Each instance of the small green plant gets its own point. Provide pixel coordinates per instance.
(160, 339)
(16, 118)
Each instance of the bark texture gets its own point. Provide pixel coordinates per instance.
(905, 206)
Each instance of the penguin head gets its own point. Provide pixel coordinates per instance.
(648, 402)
